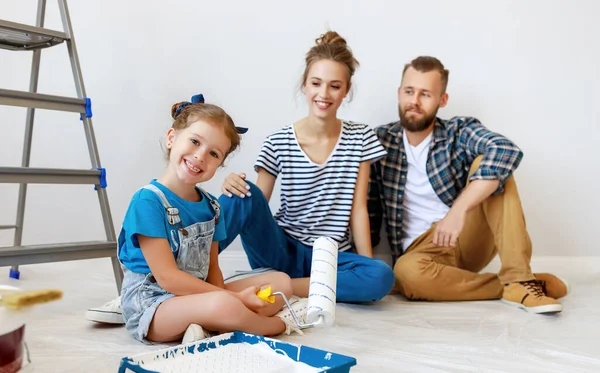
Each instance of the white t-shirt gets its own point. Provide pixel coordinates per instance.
(316, 199)
(422, 206)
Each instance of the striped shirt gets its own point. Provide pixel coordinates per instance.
(316, 199)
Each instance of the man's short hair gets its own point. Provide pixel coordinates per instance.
(426, 64)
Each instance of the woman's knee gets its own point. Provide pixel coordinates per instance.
(376, 280)
(384, 279)
(254, 189)
(244, 206)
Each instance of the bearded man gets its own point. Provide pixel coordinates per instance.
(450, 204)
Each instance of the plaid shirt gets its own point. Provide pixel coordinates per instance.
(454, 146)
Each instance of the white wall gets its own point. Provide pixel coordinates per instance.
(528, 69)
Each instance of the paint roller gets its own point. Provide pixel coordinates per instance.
(323, 280)
(22, 299)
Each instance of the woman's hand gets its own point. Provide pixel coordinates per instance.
(236, 184)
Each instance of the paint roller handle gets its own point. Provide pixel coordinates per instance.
(296, 320)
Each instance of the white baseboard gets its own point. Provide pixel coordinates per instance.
(233, 254)
(232, 260)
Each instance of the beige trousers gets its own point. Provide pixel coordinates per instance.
(497, 226)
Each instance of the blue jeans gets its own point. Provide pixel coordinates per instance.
(360, 279)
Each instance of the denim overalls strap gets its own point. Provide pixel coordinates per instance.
(173, 212)
(214, 204)
(194, 241)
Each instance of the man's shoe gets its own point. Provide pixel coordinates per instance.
(110, 313)
(194, 333)
(554, 287)
(530, 296)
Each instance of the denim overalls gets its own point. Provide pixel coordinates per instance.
(141, 294)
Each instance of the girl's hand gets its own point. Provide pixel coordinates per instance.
(251, 300)
(235, 184)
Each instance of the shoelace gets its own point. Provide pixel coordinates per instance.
(288, 319)
(544, 284)
(300, 314)
(290, 324)
(534, 287)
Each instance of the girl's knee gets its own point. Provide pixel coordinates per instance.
(224, 304)
(280, 281)
(283, 281)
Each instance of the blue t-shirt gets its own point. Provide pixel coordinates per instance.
(146, 215)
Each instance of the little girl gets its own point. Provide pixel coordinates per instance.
(168, 245)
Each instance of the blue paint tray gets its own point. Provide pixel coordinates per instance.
(237, 352)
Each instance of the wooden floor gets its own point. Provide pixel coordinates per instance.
(393, 335)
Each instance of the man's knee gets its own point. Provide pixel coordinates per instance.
(409, 271)
(408, 268)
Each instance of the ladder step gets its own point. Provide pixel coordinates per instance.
(7, 227)
(28, 175)
(17, 36)
(42, 101)
(32, 254)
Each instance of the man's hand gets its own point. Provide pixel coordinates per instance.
(448, 229)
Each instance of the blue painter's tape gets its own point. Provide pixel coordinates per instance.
(88, 108)
(14, 274)
(103, 183)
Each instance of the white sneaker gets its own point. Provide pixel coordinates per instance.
(194, 333)
(110, 313)
(299, 306)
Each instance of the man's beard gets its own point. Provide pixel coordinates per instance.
(413, 124)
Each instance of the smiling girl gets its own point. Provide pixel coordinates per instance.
(168, 245)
